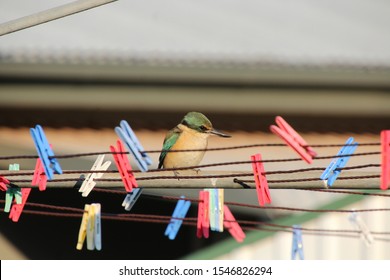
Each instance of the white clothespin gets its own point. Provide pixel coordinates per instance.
(98, 227)
(360, 225)
(89, 182)
(216, 208)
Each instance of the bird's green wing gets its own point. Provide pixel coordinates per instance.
(169, 141)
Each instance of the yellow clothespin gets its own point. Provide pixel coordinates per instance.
(221, 202)
(91, 227)
(83, 228)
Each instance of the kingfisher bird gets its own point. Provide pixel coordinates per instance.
(191, 134)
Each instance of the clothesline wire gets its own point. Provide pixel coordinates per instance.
(345, 192)
(76, 212)
(263, 226)
(174, 198)
(213, 176)
(10, 174)
(179, 151)
(119, 192)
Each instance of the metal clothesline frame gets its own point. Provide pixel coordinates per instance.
(50, 14)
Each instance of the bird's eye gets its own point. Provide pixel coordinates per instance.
(202, 127)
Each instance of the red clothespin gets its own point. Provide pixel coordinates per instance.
(293, 139)
(262, 189)
(39, 177)
(124, 167)
(232, 225)
(3, 183)
(203, 224)
(385, 165)
(17, 209)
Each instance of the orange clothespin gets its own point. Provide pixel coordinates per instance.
(262, 189)
(385, 165)
(124, 167)
(203, 224)
(39, 177)
(232, 225)
(293, 139)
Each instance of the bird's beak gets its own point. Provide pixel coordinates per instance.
(220, 134)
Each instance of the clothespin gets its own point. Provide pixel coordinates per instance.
(90, 228)
(203, 224)
(232, 225)
(83, 228)
(97, 237)
(297, 244)
(216, 202)
(213, 208)
(94, 238)
(17, 209)
(360, 225)
(12, 192)
(132, 143)
(293, 139)
(89, 182)
(334, 168)
(262, 189)
(216, 209)
(124, 167)
(45, 152)
(178, 215)
(20, 199)
(385, 165)
(131, 198)
(39, 177)
(3, 183)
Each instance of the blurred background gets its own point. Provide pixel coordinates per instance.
(324, 66)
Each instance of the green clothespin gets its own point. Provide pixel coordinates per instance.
(12, 191)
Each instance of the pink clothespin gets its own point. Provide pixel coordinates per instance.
(232, 225)
(203, 224)
(293, 139)
(17, 209)
(124, 167)
(3, 183)
(262, 189)
(385, 165)
(39, 177)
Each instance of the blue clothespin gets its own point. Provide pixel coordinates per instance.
(46, 154)
(297, 244)
(12, 192)
(131, 198)
(334, 168)
(127, 135)
(180, 212)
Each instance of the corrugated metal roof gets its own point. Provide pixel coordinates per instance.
(296, 32)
